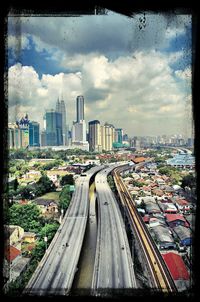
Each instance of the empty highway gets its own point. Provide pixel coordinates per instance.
(55, 273)
(113, 264)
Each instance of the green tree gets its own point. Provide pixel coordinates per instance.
(39, 250)
(111, 182)
(49, 231)
(26, 216)
(45, 182)
(64, 198)
(189, 181)
(67, 180)
(25, 192)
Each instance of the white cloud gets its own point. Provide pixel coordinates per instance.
(139, 93)
(184, 74)
(17, 43)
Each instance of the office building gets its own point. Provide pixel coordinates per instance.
(43, 138)
(79, 132)
(107, 136)
(34, 131)
(18, 134)
(79, 108)
(94, 136)
(60, 108)
(118, 135)
(53, 128)
(79, 126)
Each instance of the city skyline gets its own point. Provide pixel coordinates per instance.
(137, 79)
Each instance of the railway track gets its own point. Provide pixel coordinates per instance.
(161, 277)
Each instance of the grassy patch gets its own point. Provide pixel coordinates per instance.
(50, 195)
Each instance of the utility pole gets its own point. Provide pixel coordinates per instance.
(45, 240)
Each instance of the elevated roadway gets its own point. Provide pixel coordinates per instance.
(113, 267)
(55, 273)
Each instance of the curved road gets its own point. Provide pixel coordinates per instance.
(55, 273)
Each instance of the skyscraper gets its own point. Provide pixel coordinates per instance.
(34, 137)
(107, 136)
(95, 136)
(79, 126)
(60, 107)
(53, 128)
(79, 108)
(118, 135)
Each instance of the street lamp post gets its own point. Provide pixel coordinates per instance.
(45, 240)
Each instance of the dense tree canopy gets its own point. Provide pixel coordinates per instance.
(26, 216)
(64, 198)
(67, 180)
(189, 181)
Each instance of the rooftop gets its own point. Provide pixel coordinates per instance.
(11, 253)
(176, 266)
(182, 232)
(173, 217)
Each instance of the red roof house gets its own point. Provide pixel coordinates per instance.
(176, 266)
(175, 220)
(11, 253)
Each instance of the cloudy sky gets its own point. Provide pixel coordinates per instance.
(133, 72)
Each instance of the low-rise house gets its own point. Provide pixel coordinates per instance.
(168, 208)
(178, 270)
(183, 234)
(14, 234)
(12, 254)
(160, 181)
(153, 222)
(158, 192)
(138, 160)
(47, 206)
(174, 220)
(152, 208)
(163, 237)
(182, 205)
(168, 189)
(29, 237)
(32, 174)
(14, 263)
(191, 221)
(146, 219)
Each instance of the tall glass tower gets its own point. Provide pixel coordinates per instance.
(53, 128)
(79, 108)
(34, 137)
(60, 108)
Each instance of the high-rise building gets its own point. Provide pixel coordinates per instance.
(24, 142)
(79, 131)
(43, 138)
(53, 128)
(125, 137)
(18, 133)
(79, 108)
(34, 134)
(11, 141)
(118, 135)
(60, 107)
(95, 136)
(79, 126)
(107, 136)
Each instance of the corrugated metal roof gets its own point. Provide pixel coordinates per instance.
(11, 253)
(182, 232)
(176, 266)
